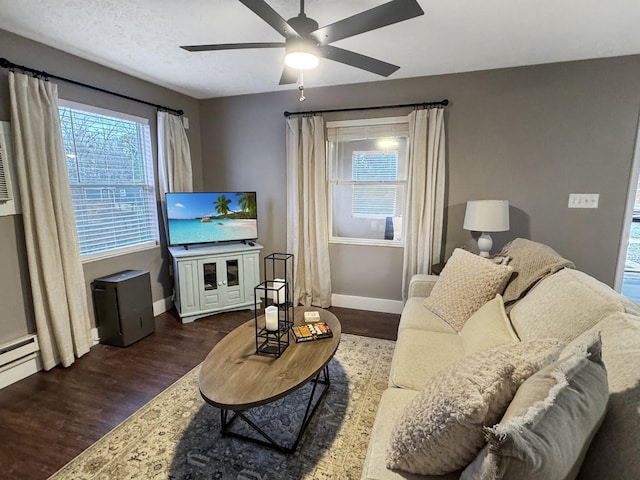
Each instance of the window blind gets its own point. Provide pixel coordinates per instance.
(110, 173)
(366, 132)
(374, 200)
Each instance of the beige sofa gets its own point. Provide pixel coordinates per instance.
(568, 305)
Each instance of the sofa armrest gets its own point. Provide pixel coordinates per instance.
(421, 285)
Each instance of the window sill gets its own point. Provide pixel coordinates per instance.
(367, 242)
(96, 257)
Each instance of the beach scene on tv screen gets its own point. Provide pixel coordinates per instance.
(211, 217)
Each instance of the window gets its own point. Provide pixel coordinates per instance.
(110, 169)
(367, 178)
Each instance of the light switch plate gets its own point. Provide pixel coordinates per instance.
(584, 200)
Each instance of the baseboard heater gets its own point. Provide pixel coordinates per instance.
(19, 358)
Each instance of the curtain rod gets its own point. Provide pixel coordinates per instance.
(441, 103)
(4, 63)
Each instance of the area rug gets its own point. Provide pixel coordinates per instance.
(177, 435)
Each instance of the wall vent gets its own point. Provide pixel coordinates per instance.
(9, 204)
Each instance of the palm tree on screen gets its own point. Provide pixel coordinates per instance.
(222, 204)
(248, 202)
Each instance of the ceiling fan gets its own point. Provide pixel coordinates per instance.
(304, 42)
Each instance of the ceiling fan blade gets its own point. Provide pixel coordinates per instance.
(289, 75)
(269, 15)
(386, 14)
(231, 46)
(357, 60)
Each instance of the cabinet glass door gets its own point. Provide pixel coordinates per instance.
(233, 277)
(210, 276)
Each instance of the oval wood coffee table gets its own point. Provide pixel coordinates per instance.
(234, 378)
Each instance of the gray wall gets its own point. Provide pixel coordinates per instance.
(531, 135)
(16, 318)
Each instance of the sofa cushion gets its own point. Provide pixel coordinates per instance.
(467, 282)
(564, 305)
(550, 423)
(614, 450)
(415, 315)
(420, 354)
(488, 327)
(440, 431)
(531, 262)
(391, 406)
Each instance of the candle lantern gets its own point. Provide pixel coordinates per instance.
(278, 271)
(272, 322)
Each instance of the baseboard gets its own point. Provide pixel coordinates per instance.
(162, 306)
(364, 303)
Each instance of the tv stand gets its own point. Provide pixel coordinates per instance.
(214, 278)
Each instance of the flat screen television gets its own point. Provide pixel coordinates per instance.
(211, 217)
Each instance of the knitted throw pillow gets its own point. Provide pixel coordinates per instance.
(467, 282)
(441, 430)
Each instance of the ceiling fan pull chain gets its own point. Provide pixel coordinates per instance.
(301, 86)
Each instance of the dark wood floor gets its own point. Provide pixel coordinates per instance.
(50, 417)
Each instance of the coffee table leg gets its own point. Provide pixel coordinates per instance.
(308, 414)
(225, 422)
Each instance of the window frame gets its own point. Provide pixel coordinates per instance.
(331, 182)
(151, 183)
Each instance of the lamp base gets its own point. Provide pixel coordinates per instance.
(484, 244)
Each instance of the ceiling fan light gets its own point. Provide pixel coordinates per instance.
(301, 60)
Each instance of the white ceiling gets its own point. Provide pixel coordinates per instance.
(141, 37)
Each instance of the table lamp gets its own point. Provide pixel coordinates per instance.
(486, 216)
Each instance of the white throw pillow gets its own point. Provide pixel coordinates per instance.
(467, 282)
(441, 430)
(488, 327)
(550, 423)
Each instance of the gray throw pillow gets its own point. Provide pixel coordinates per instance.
(550, 423)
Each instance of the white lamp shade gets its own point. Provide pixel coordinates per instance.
(487, 216)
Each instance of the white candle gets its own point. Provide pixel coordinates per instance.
(271, 318)
(279, 296)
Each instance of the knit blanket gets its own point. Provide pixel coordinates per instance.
(531, 262)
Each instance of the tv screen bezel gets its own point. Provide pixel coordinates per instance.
(210, 242)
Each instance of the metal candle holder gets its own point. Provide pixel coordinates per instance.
(277, 294)
(278, 269)
(269, 340)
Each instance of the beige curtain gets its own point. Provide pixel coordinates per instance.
(174, 155)
(55, 270)
(307, 228)
(425, 193)
(174, 158)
